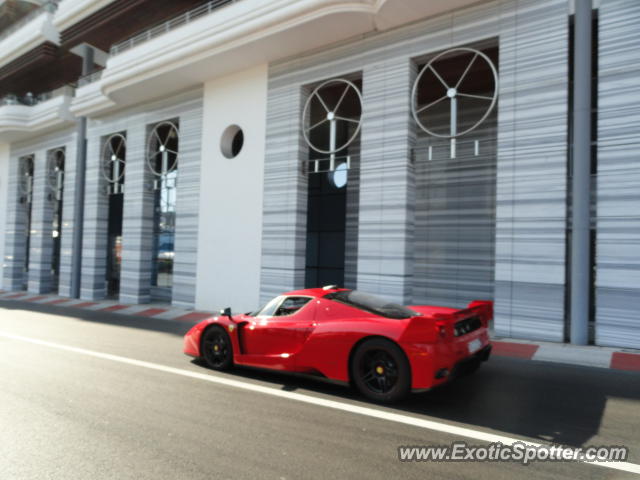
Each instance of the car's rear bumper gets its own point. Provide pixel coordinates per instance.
(465, 365)
(460, 368)
(434, 364)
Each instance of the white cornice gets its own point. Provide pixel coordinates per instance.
(90, 100)
(18, 122)
(237, 36)
(36, 32)
(231, 27)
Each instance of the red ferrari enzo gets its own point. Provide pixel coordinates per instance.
(382, 348)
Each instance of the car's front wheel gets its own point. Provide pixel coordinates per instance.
(216, 348)
(380, 370)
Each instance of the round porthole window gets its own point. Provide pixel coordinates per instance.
(231, 141)
(340, 175)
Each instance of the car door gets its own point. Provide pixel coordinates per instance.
(281, 329)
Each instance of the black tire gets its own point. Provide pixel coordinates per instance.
(216, 348)
(380, 371)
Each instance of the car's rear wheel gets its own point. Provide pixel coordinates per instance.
(380, 370)
(216, 348)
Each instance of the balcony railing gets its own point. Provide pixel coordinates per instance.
(49, 6)
(31, 100)
(169, 25)
(90, 78)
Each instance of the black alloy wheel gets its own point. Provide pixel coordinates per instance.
(216, 348)
(380, 370)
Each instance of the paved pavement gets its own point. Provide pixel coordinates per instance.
(91, 394)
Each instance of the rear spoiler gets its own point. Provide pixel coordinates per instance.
(444, 322)
(480, 308)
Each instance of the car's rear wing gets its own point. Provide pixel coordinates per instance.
(482, 308)
(441, 325)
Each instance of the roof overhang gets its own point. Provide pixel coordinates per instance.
(249, 32)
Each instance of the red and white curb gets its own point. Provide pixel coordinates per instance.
(162, 312)
(591, 356)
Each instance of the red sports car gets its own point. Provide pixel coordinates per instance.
(382, 348)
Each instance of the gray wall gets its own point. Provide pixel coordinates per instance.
(531, 179)
(387, 196)
(285, 186)
(135, 286)
(618, 182)
(531, 164)
(41, 247)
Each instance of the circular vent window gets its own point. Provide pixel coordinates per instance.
(232, 141)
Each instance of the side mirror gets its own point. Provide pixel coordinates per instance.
(226, 312)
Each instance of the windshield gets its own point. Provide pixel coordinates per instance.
(268, 309)
(371, 303)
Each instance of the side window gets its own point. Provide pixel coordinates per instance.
(269, 309)
(291, 305)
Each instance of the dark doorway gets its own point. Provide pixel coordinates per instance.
(326, 225)
(113, 168)
(114, 246)
(26, 195)
(57, 243)
(56, 162)
(163, 163)
(27, 246)
(332, 177)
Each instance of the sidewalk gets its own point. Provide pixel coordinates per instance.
(159, 311)
(590, 356)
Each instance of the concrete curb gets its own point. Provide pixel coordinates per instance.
(590, 356)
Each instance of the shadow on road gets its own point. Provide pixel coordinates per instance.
(553, 403)
(559, 404)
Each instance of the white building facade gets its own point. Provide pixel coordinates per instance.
(419, 150)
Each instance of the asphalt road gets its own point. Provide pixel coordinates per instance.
(69, 414)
